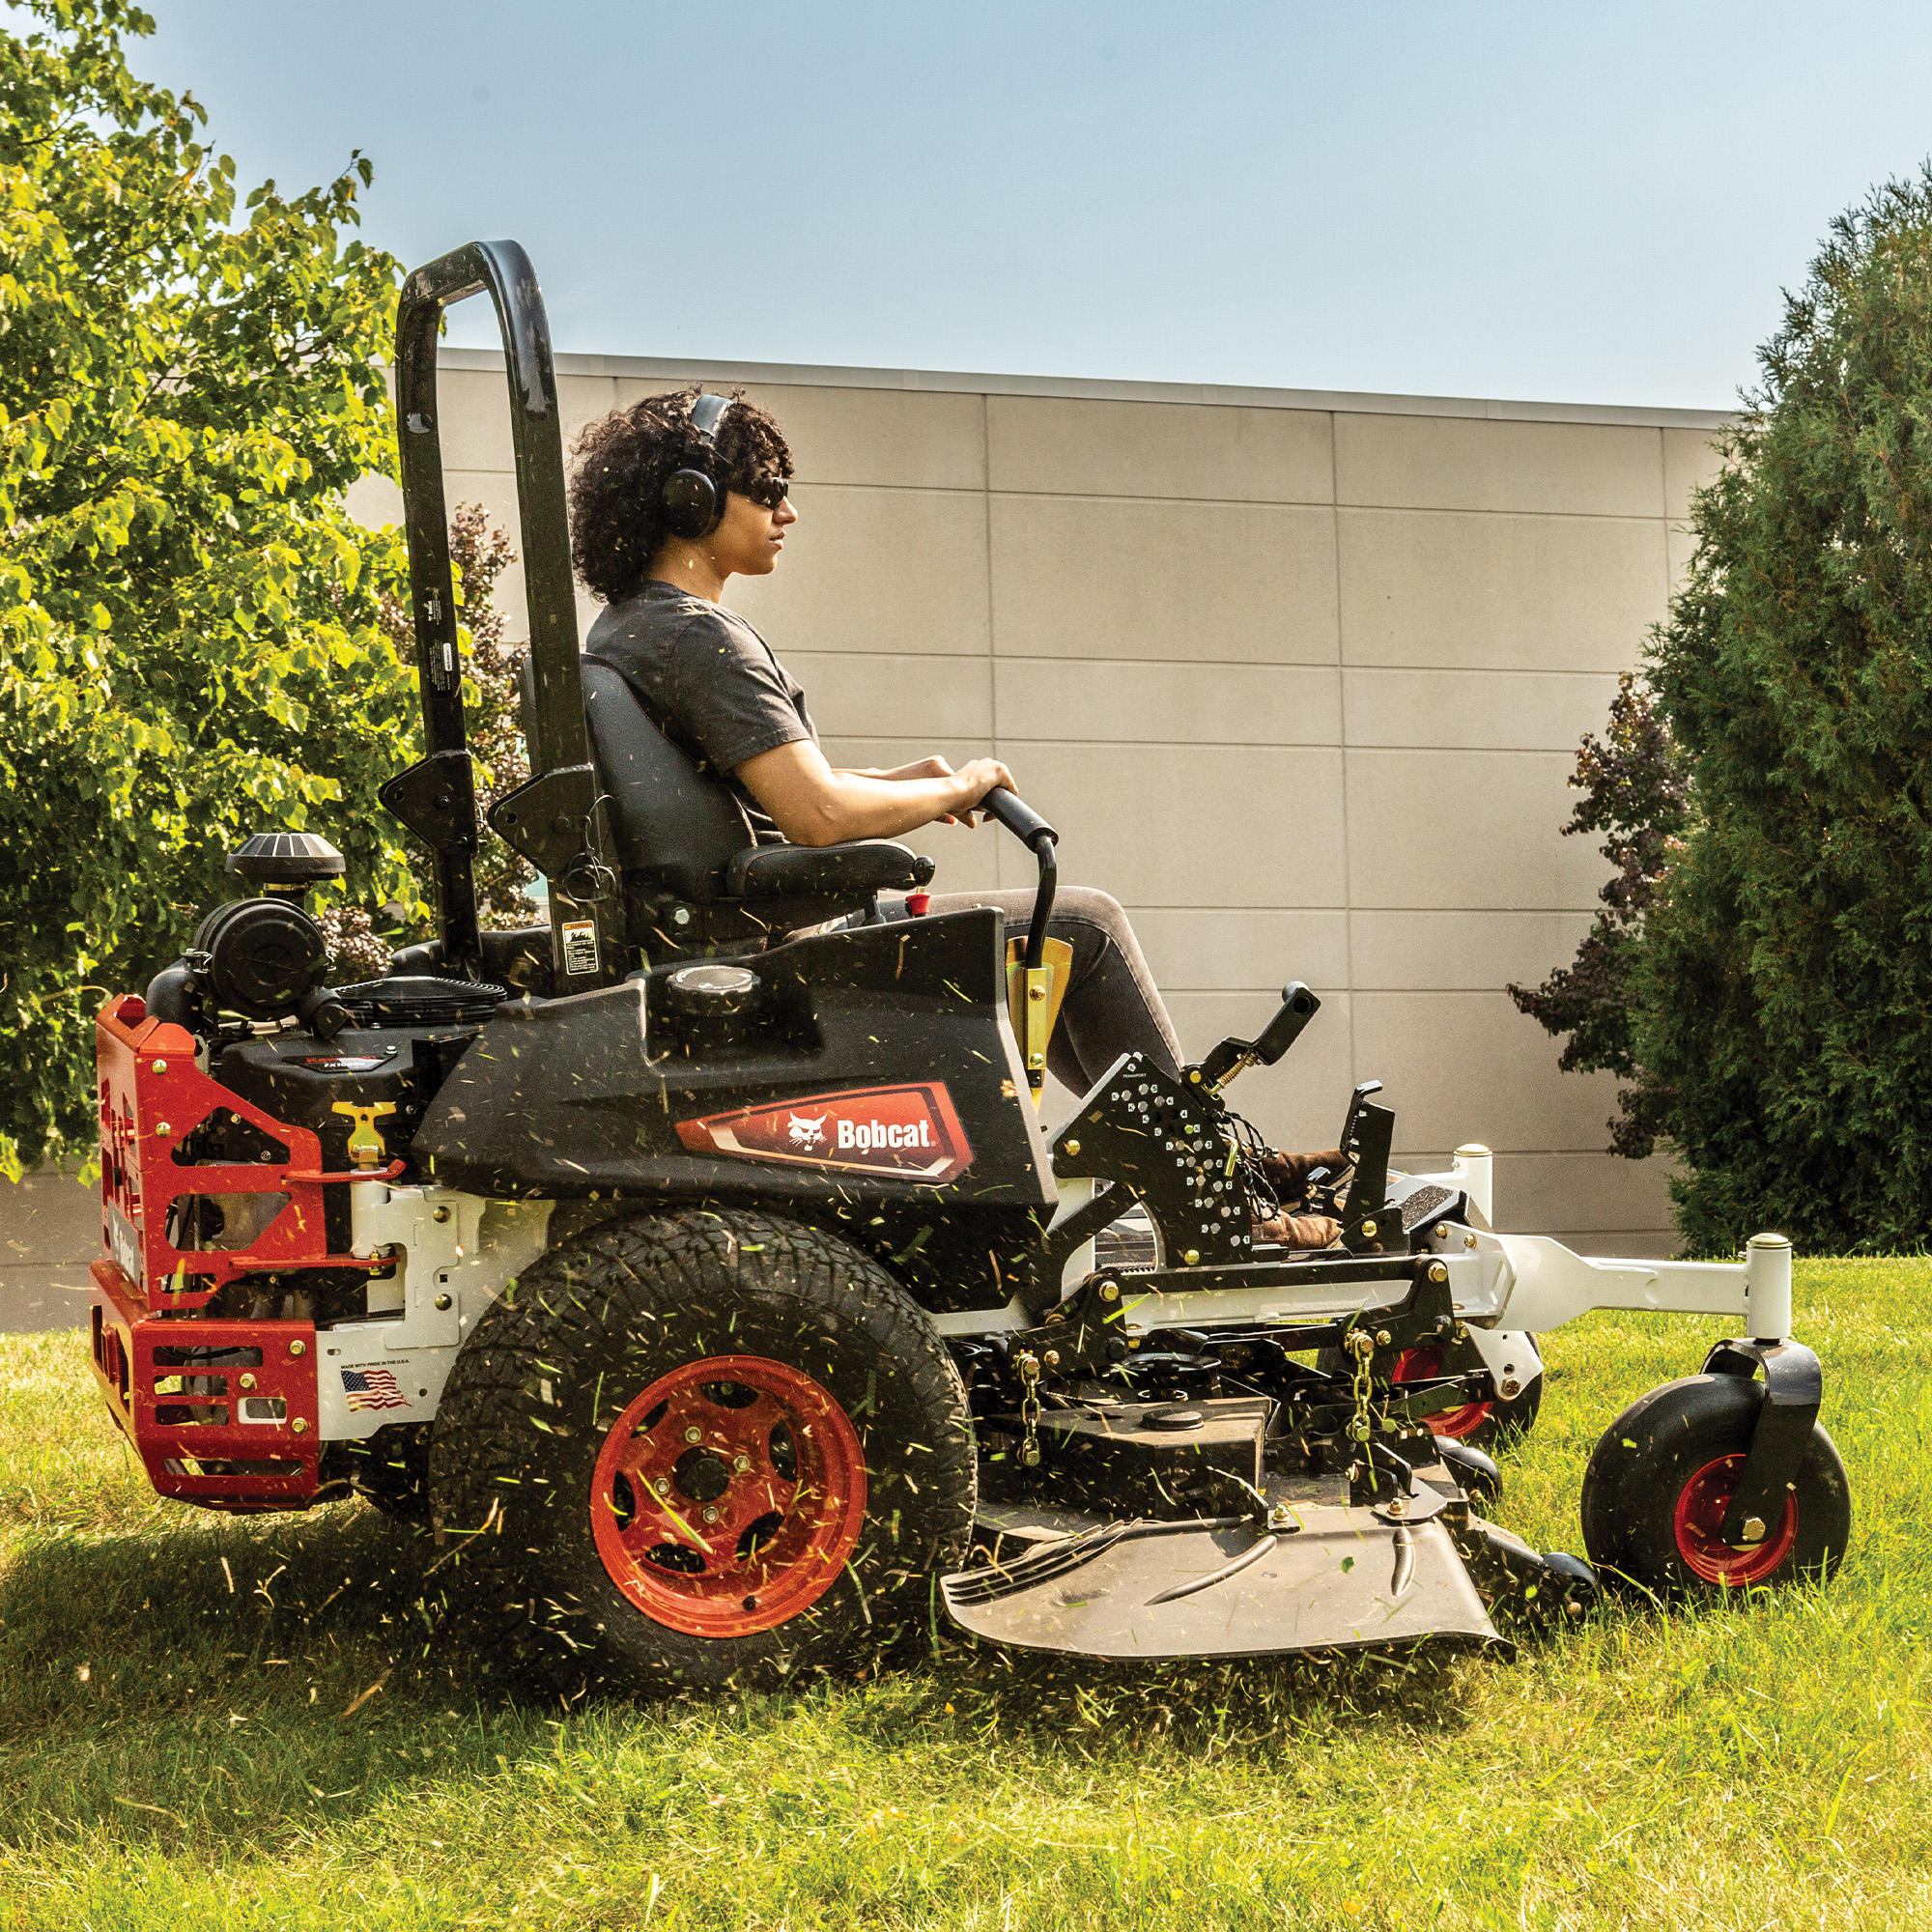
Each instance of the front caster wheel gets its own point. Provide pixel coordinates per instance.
(1663, 1475)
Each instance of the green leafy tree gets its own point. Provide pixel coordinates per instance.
(492, 666)
(190, 636)
(1783, 991)
(362, 937)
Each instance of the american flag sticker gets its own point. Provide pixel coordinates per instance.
(372, 1388)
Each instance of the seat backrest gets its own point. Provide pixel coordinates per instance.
(675, 826)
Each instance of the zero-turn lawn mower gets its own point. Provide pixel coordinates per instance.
(698, 1265)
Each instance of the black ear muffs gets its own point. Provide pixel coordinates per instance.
(693, 498)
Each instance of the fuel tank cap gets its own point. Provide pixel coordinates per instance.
(708, 990)
(1176, 1417)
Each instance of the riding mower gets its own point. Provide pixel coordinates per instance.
(697, 1265)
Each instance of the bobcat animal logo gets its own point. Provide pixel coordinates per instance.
(808, 1133)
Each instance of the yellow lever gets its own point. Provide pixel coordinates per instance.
(365, 1143)
(1033, 1000)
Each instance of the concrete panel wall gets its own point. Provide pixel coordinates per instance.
(49, 1231)
(1299, 676)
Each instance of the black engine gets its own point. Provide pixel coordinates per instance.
(384, 1043)
(263, 958)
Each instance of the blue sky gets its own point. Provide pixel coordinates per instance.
(1553, 201)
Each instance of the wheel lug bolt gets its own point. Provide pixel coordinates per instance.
(711, 1516)
(662, 1486)
(741, 1463)
(693, 1434)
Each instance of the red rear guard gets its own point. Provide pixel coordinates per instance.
(221, 1412)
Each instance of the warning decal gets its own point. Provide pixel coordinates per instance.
(580, 947)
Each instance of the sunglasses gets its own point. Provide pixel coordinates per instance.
(769, 492)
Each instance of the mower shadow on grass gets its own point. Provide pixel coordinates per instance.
(255, 1615)
(284, 1681)
(87, 1622)
(278, 1679)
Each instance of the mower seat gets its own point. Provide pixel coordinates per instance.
(685, 843)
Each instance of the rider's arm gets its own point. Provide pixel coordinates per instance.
(813, 805)
(933, 767)
(924, 768)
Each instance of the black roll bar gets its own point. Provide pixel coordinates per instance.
(551, 820)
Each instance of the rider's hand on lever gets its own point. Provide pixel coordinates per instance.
(981, 776)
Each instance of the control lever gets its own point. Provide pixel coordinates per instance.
(1015, 814)
(1299, 1006)
(1040, 838)
(1324, 1180)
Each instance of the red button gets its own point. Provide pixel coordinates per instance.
(919, 904)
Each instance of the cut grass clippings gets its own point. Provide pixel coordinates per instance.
(247, 1723)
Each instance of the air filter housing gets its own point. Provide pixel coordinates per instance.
(286, 862)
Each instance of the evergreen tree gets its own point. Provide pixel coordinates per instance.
(1783, 991)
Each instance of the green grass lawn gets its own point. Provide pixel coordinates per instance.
(245, 1725)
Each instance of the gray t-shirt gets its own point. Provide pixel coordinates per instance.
(707, 679)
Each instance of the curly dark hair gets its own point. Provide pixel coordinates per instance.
(617, 518)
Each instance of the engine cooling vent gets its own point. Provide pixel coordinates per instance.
(420, 1000)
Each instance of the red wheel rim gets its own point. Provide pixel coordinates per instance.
(1700, 1514)
(1425, 1365)
(727, 1497)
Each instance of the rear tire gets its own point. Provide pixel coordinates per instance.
(696, 1449)
(1661, 1479)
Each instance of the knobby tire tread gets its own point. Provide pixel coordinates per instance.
(612, 1290)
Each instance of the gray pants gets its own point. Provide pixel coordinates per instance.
(1111, 1006)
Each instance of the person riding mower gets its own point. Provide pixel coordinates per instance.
(699, 1267)
(674, 495)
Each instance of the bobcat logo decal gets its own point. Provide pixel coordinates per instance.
(899, 1133)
